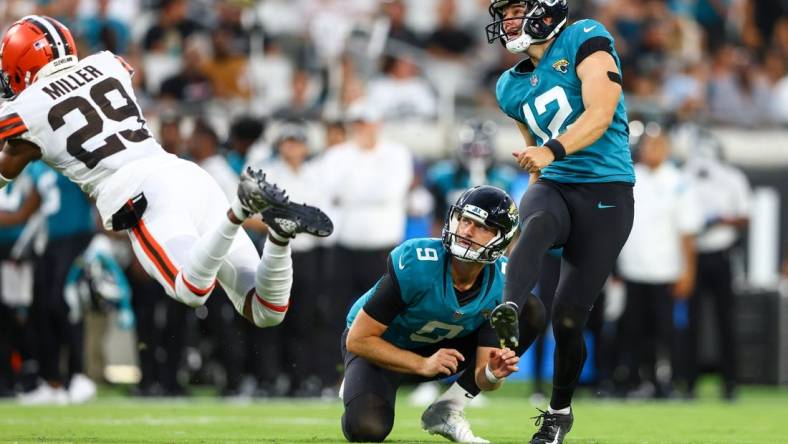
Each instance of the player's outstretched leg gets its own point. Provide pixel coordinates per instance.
(274, 276)
(553, 427)
(197, 277)
(267, 304)
(505, 322)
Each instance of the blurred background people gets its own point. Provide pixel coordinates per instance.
(365, 181)
(294, 343)
(216, 79)
(657, 263)
(724, 200)
(473, 163)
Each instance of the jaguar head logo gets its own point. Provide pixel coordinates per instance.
(561, 66)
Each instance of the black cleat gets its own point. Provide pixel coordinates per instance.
(554, 427)
(256, 194)
(505, 322)
(294, 218)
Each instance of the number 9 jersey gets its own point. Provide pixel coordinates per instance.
(86, 121)
(549, 98)
(431, 313)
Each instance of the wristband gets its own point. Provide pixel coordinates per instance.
(557, 148)
(491, 378)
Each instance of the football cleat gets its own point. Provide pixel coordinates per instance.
(81, 389)
(44, 394)
(255, 194)
(505, 322)
(294, 218)
(553, 427)
(440, 419)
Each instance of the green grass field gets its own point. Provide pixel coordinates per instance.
(759, 416)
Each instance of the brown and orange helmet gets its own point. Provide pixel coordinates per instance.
(28, 45)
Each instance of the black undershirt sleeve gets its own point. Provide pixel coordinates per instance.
(487, 336)
(386, 303)
(591, 46)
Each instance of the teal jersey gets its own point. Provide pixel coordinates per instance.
(421, 268)
(69, 211)
(549, 99)
(12, 197)
(75, 213)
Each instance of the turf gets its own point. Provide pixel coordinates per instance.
(759, 416)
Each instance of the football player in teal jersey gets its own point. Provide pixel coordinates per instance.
(473, 164)
(426, 319)
(566, 99)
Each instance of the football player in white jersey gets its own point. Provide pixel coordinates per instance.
(81, 117)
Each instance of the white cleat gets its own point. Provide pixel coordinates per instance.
(81, 389)
(451, 424)
(44, 394)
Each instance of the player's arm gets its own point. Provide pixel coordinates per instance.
(365, 336)
(364, 340)
(601, 90)
(529, 141)
(30, 205)
(527, 137)
(493, 364)
(684, 286)
(14, 157)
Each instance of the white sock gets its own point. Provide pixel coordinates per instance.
(273, 281)
(238, 210)
(456, 396)
(208, 254)
(563, 411)
(277, 237)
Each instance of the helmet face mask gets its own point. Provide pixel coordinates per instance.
(534, 26)
(489, 206)
(5, 87)
(477, 144)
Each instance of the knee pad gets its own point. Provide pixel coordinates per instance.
(189, 294)
(569, 320)
(367, 418)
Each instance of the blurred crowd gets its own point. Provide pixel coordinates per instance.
(715, 61)
(302, 89)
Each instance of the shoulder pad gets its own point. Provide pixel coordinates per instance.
(417, 263)
(583, 30)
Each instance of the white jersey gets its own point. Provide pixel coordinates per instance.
(88, 125)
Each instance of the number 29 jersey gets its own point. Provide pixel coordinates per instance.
(86, 121)
(548, 99)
